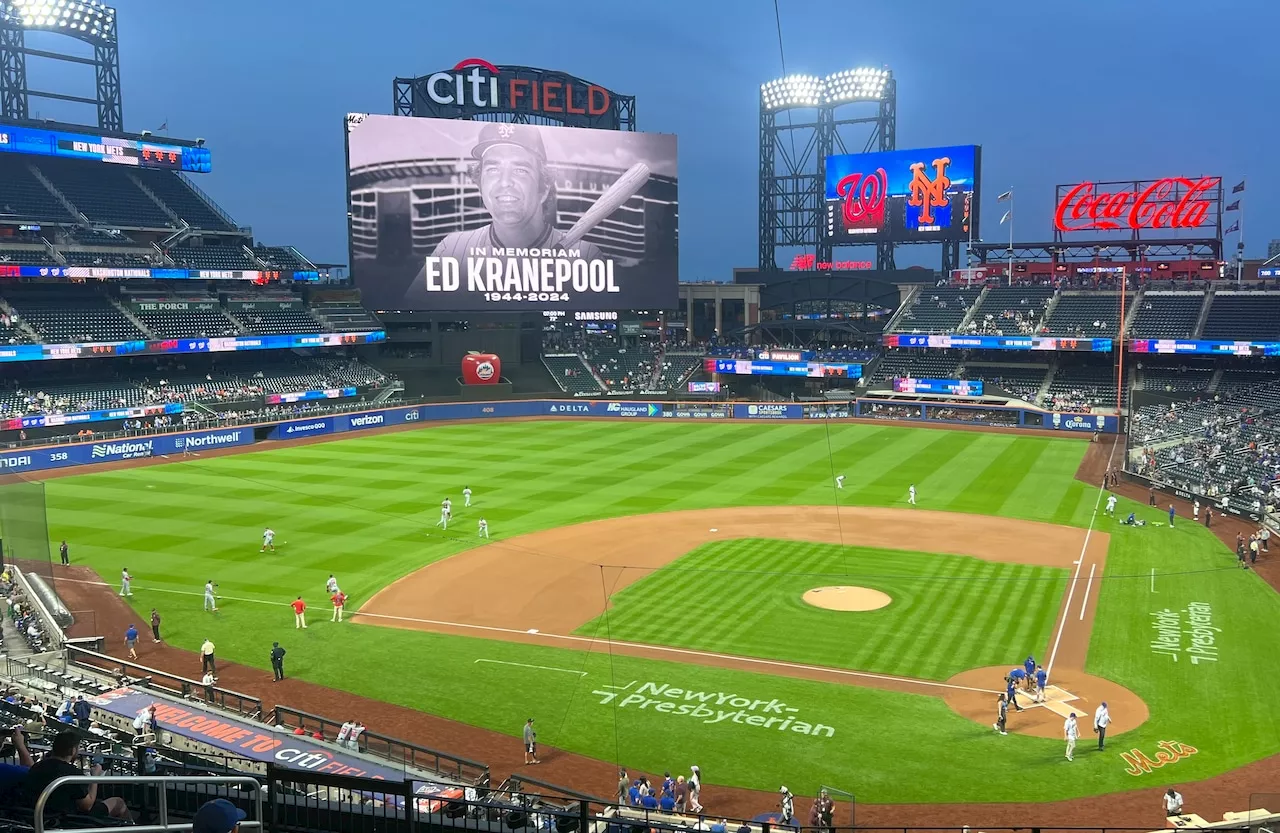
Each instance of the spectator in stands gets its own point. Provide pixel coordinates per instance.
(217, 816)
(11, 775)
(81, 799)
(80, 709)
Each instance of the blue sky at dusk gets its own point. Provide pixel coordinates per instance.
(1054, 92)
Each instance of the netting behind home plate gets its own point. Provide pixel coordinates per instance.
(24, 526)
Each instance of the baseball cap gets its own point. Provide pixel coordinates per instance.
(782, 789)
(503, 133)
(217, 816)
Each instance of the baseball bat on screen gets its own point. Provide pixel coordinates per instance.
(610, 201)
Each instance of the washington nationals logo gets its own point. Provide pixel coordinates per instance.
(928, 194)
(864, 198)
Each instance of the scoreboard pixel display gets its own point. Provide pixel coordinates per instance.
(138, 153)
(954, 387)
(811, 370)
(903, 196)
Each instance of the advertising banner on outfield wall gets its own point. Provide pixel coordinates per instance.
(768, 410)
(163, 445)
(111, 451)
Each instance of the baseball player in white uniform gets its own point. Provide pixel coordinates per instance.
(444, 514)
(911, 495)
(1111, 505)
(839, 481)
(1071, 731)
(125, 578)
(210, 603)
(1195, 511)
(331, 586)
(484, 529)
(268, 539)
(466, 496)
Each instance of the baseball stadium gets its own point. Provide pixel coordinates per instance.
(503, 525)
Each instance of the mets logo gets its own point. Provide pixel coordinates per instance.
(927, 194)
(506, 131)
(484, 371)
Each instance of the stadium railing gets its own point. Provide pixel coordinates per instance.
(162, 795)
(224, 698)
(388, 748)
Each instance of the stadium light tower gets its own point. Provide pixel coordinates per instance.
(87, 21)
(793, 152)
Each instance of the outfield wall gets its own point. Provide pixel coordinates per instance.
(151, 446)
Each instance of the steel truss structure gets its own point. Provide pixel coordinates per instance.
(1209, 248)
(793, 158)
(89, 22)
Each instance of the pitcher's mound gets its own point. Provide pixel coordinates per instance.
(847, 598)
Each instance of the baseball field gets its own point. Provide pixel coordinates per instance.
(647, 595)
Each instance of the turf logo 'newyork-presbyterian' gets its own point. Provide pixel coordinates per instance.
(1137, 762)
(713, 707)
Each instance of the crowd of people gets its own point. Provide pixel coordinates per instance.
(22, 614)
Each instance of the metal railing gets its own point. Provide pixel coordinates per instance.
(391, 749)
(225, 698)
(163, 781)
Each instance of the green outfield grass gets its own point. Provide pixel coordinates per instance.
(949, 613)
(361, 508)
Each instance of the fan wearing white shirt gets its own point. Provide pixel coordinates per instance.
(1071, 731)
(1101, 720)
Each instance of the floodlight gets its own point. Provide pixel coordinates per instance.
(861, 84)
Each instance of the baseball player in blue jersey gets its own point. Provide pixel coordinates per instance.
(1016, 679)
(1042, 679)
(1030, 667)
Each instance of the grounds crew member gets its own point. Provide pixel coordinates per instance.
(277, 661)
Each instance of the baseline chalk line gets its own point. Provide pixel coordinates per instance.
(526, 665)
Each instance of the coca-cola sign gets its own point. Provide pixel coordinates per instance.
(1169, 203)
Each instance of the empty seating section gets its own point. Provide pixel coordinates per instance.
(271, 321)
(118, 257)
(937, 310)
(63, 317)
(917, 365)
(676, 367)
(1246, 316)
(1010, 310)
(1167, 315)
(283, 257)
(1079, 389)
(182, 200)
(570, 373)
(1093, 315)
(28, 255)
(1022, 382)
(346, 316)
(1180, 379)
(1235, 381)
(105, 194)
(212, 257)
(188, 323)
(26, 197)
(624, 369)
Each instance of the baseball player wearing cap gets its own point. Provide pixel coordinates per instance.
(268, 540)
(788, 805)
(519, 193)
(839, 481)
(466, 496)
(1071, 731)
(484, 528)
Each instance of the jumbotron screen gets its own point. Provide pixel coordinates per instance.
(954, 387)
(477, 216)
(903, 196)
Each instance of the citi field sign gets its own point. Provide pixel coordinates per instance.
(1170, 203)
(474, 84)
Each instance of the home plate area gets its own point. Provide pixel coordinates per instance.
(1055, 700)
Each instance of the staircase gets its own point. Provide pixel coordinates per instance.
(973, 310)
(133, 319)
(1204, 311)
(239, 324)
(907, 303)
(61, 197)
(15, 644)
(168, 212)
(1132, 313)
(592, 370)
(23, 326)
(1048, 312)
(1048, 380)
(1214, 381)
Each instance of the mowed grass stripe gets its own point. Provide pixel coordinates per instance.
(744, 596)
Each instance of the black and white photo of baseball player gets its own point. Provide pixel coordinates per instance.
(496, 216)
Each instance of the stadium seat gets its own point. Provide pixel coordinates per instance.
(1251, 316)
(63, 315)
(230, 256)
(1010, 310)
(25, 197)
(345, 317)
(105, 194)
(1086, 315)
(937, 310)
(179, 196)
(1167, 315)
(571, 374)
